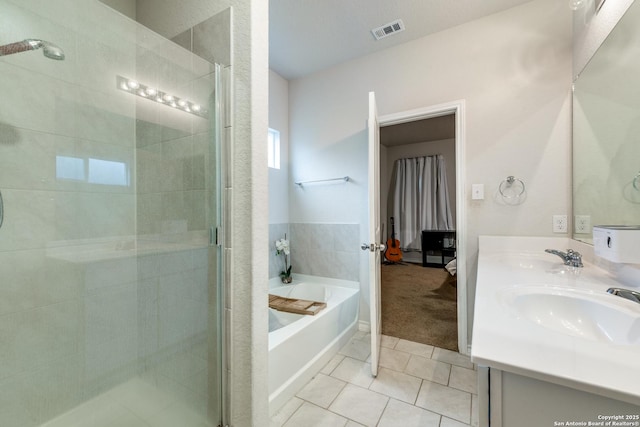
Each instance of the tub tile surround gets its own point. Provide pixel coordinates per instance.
(324, 250)
(508, 263)
(345, 394)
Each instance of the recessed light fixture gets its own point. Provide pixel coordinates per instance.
(136, 88)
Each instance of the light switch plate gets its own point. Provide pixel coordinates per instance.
(477, 191)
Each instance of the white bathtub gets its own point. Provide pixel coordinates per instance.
(300, 345)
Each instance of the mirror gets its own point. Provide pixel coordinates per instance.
(606, 132)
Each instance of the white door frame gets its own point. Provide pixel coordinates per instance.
(457, 108)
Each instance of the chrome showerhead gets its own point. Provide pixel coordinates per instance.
(49, 50)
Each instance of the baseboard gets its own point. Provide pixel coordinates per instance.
(364, 326)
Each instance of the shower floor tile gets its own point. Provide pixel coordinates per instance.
(404, 394)
(136, 403)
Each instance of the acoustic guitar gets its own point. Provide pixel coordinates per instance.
(393, 252)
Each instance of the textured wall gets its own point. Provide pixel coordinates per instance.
(514, 71)
(279, 178)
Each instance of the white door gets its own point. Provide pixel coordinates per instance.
(375, 247)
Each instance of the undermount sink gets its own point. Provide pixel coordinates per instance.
(577, 313)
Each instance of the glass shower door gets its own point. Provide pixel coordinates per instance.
(110, 275)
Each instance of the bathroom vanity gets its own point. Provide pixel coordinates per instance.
(553, 348)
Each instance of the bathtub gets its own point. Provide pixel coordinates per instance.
(300, 345)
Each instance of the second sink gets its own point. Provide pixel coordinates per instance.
(577, 313)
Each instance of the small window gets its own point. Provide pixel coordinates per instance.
(106, 172)
(70, 168)
(92, 171)
(273, 150)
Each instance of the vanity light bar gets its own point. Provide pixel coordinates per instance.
(136, 88)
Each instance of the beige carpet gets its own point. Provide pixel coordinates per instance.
(419, 304)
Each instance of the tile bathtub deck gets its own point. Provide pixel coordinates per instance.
(417, 385)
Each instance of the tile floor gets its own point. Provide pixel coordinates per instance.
(417, 385)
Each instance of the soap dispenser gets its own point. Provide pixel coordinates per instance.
(617, 243)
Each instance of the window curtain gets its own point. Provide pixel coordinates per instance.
(419, 198)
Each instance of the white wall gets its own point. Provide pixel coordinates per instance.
(279, 178)
(514, 71)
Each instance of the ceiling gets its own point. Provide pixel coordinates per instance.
(306, 36)
(432, 129)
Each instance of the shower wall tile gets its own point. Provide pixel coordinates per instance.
(28, 279)
(177, 286)
(108, 118)
(28, 158)
(88, 215)
(36, 339)
(110, 341)
(51, 390)
(34, 100)
(110, 273)
(13, 413)
(28, 219)
(101, 61)
(183, 39)
(179, 316)
(147, 317)
(148, 133)
(211, 38)
(198, 163)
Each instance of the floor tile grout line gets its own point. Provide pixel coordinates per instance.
(381, 413)
(291, 415)
(402, 371)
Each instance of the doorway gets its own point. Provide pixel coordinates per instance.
(421, 299)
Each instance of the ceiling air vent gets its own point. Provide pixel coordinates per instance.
(388, 29)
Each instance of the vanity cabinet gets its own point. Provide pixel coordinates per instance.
(507, 399)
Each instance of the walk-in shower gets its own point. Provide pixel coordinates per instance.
(111, 298)
(49, 50)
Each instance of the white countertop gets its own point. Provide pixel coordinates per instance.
(504, 338)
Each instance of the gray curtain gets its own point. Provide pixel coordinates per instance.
(419, 198)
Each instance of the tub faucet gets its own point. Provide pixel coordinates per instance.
(571, 257)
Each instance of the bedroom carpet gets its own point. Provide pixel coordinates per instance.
(419, 304)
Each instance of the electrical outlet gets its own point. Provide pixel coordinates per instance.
(559, 223)
(582, 224)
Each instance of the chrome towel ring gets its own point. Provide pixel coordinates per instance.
(636, 182)
(511, 188)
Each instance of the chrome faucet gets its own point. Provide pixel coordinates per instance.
(625, 293)
(570, 258)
